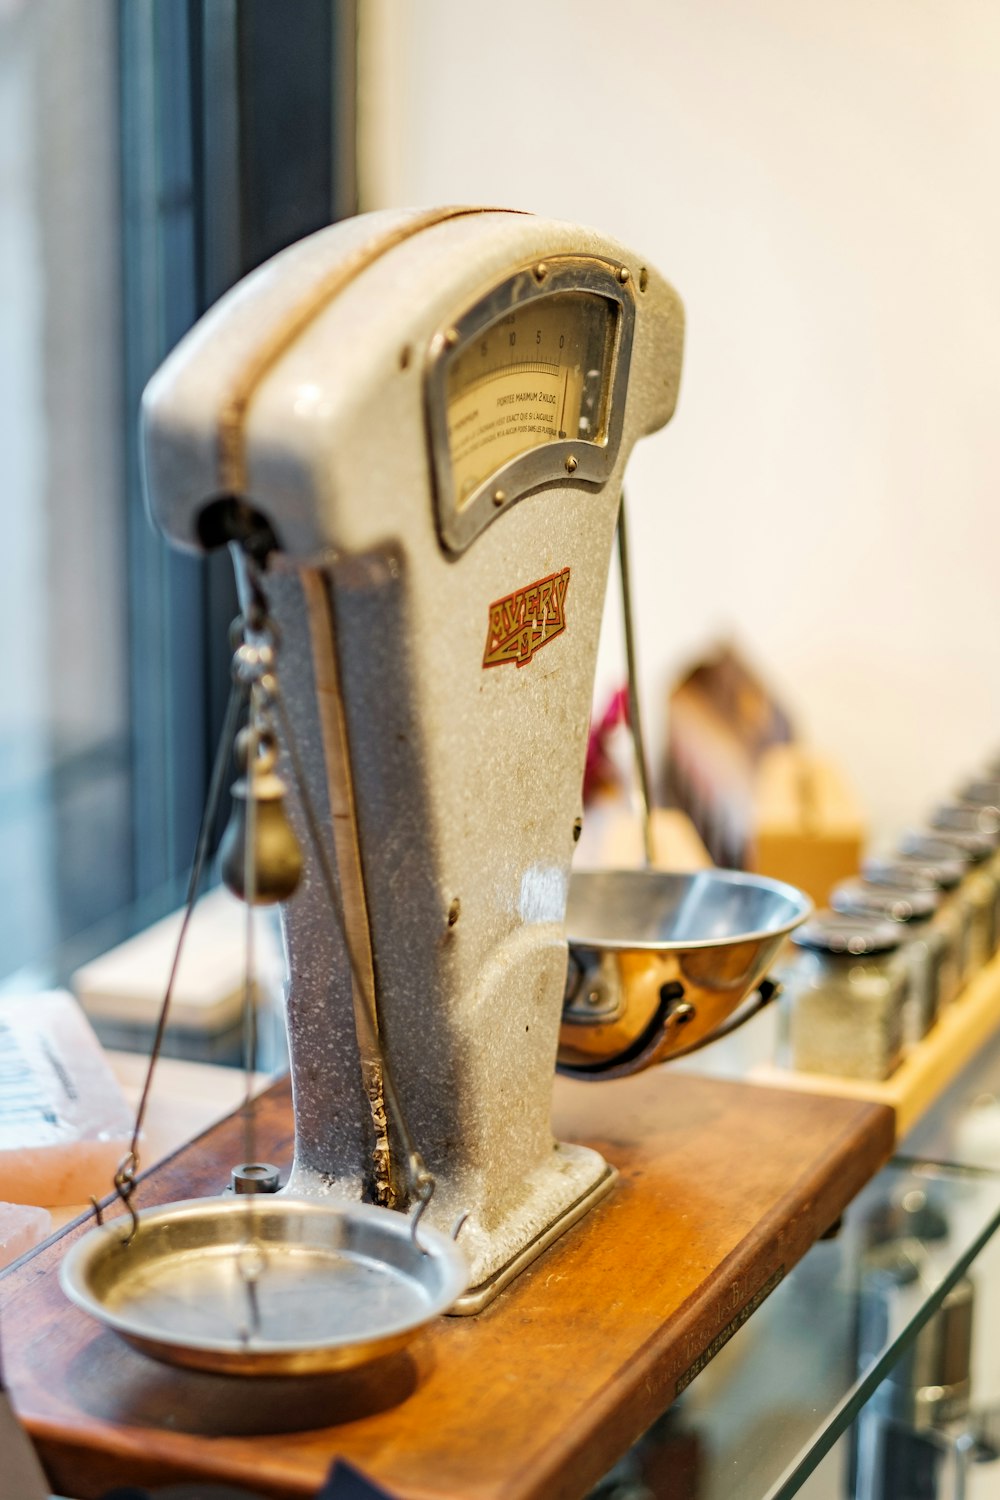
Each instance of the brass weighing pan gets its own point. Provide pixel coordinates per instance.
(659, 963)
(265, 1286)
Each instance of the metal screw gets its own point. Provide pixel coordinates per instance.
(623, 274)
(571, 465)
(683, 1013)
(499, 496)
(643, 279)
(594, 997)
(451, 337)
(541, 271)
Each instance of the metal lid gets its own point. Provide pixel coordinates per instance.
(847, 936)
(939, 843)
(969, 817)
(913, 872)
(983, 792)
(893, 903)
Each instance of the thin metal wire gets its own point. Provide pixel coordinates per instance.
(249, 1264)
(124, 1179)
(222, 755)
(250, 897)
(635, 720)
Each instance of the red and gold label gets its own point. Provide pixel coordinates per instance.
(523, 622)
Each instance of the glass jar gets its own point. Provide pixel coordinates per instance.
(945, 873)
(981, 891)
(981, 817)
(976, 894)
(931, 950)
(951, 918)
(845, 994)
(984, 794)
(968, 817)
(942, 843)
(988, 776)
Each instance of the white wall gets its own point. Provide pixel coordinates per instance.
(821, 182)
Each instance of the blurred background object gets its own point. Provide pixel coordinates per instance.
(150, 154)
(815, 177)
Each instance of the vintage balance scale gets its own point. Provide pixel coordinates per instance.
(412, 429)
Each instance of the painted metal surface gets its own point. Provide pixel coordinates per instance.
(450, 791)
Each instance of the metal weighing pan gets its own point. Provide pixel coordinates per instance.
(659, 964)
(265, 1286)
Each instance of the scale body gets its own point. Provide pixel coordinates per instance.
(433, 412)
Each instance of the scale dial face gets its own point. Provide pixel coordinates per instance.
(538, 374)
(527, 388)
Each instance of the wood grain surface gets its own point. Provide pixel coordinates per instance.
(723, 1187)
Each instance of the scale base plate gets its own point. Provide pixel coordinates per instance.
(478, 1297)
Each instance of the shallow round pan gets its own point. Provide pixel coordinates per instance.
(262, 1285)
(660, 962)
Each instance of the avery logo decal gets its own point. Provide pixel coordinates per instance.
(525, 621)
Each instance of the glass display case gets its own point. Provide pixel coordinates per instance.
(855, 1340)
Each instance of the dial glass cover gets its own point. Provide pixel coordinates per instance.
(525, 390)
(537, 374)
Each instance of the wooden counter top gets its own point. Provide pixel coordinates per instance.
(723, 1188)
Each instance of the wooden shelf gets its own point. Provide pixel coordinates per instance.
(723, 1187)
(927, 1071)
